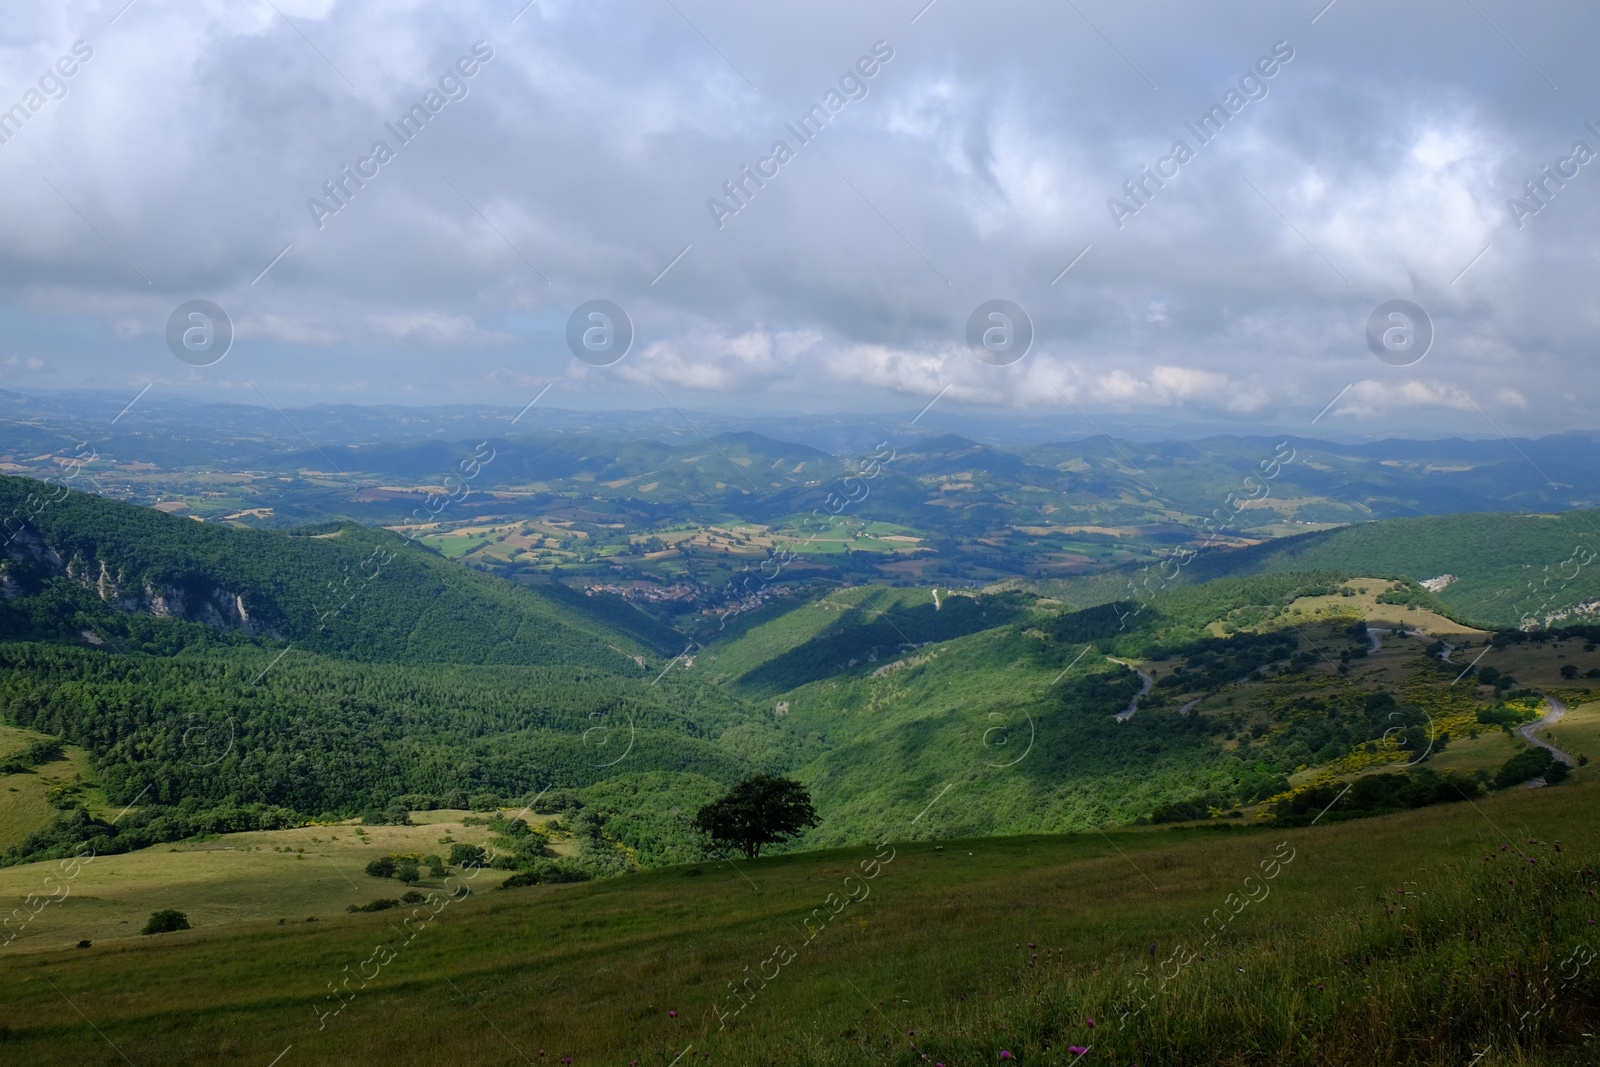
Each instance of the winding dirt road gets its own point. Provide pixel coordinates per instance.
(1554, 710)
(1144, 676)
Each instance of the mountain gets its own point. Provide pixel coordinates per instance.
(340, 590)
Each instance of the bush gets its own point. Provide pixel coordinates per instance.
(382, 904)
(1525, 766)
(544, 873)
(408, 873)
(411, 896)
(467, 855)
(383, 867)
(165, 922)
(517, 881)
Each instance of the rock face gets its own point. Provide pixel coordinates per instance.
(198, 601)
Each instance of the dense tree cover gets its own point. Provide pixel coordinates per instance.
(318, 735)
(1213, 662)
(1091, 624)
(196, 736)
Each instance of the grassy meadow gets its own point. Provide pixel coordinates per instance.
(310, 873)
(1419, 938)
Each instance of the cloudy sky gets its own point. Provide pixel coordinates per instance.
(585, 158)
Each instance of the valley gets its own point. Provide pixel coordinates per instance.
(481, 742)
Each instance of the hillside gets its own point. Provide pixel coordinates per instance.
(340, 590)
(1505, 565)
(1498, 570)
(1417, 939)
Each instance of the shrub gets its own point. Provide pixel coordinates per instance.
(544, 873)
(408, 873)
(1523, 767)
(467, 855)
(411, 896)
(165, 922)
(517, 881)
(382, 904)
(383, 867)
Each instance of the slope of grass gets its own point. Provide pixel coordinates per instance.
(1411, 939)
(308, 873)
(24, 797)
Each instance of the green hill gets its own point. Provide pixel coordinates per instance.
(1500, 567)
(1505, 565)
(82, 562)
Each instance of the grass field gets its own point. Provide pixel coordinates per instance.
(23, 804)
(309, 873)
(1405, 939)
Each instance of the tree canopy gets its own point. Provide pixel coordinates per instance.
(758, 811)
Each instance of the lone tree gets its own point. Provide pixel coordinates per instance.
(756, 812)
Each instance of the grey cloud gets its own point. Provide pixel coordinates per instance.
(977, 165)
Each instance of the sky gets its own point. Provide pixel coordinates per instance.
(1197, 213)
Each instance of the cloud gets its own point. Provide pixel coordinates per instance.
(1368, 399)
(578, 165)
